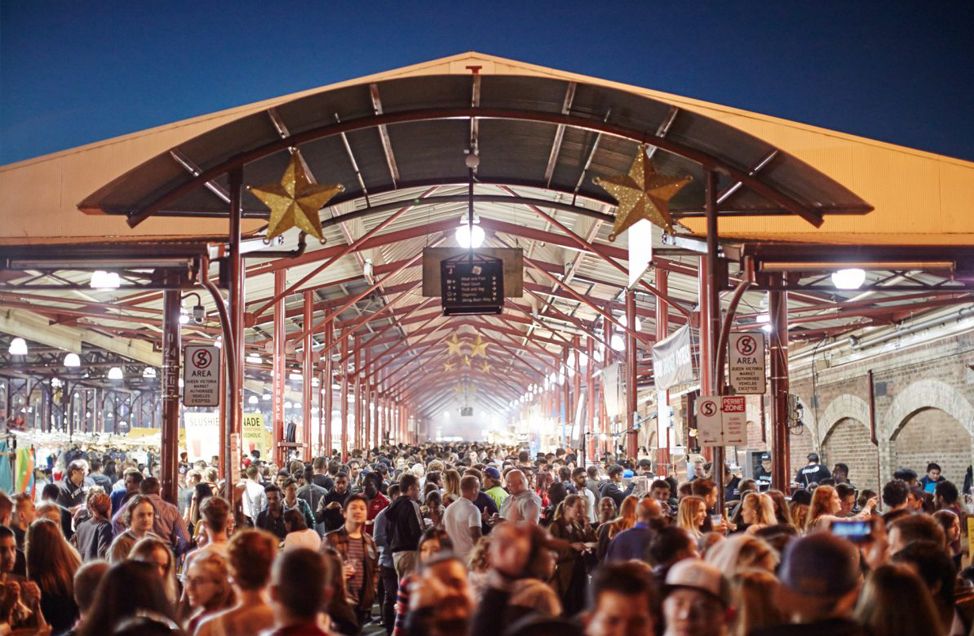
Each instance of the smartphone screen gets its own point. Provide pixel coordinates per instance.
(853, 530)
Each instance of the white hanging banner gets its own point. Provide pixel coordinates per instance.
(640, 238)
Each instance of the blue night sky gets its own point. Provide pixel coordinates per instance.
(77, 72)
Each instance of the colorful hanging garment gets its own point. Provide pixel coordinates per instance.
(25, 471)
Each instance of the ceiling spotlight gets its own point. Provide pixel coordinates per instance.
(253, 358)
(72, 360)
(469, 237)
(266, 397)
(253, 400)
(849, 278)
(18, 347)
(183, 317)
(617, 342)
(100, 279)
(446, 414)
(149, 372)
(115, 373)
(296, 377)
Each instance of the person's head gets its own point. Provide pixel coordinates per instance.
(51, 561)
(742, 552)
(8, 550)
(454, 605)
(607, 509)
(825, 501)
(624, 602)
(660, 491)
(754, 592)
(132, 479)
(294, 520)
(127, 589)
(24, 509)
(253, 472)
(469, 487)
(705, 489)
(290, 490)
(813, 459)
(207, 583)
(86, 581)
(950, 524)
(894, 600)
(933, 471)
(699, 469)
(516, 482)
(847, 499)
(76, 472)
(356, 510)
(150, 486)
(299, 585)
(155, 552)
(758, 509)
(946, 493)
(647, 510)
(140, 514)
(281, 479)
(697, 600)
(840, 473)
(913, 528)
(819, 577)
(409, 486)
(393, 492)
(931, 562)
(670, 545)
(895, 494)
(431, 543)
(274, 498)
(50, 492)
(615, 472)
(692, 513)
(251, 554)
(49, 510)
(216, 512)
(371, 485)
(906, 474)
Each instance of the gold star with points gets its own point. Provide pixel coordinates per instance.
(466, 361)
(479, 347)
(643, 193)
(485, 367)
(449, 366)
(295, 201)
(454, 346)
(458, 388)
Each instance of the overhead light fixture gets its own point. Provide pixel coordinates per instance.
(115, 373)
(367, 268)
(315, 382)
(218, 343)
(181, 383)
(625, 322)
(766, 328)
(266, 397)
(18, 347)
(296, 377)
(183, 317)
(72, 360)
(617, 342)
(253, 358)
(100, 279)
(149, 373)
(253, 400)
(288, 405)
(852, 278)
(468, 236)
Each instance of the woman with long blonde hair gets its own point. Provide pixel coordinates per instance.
(752, 591)
(51, 564)
(692, 515)
(451, 487)
(757, 511)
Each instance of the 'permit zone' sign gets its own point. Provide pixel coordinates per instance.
(201, 376)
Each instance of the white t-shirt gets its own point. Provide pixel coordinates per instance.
(460, 516)
(306, 538)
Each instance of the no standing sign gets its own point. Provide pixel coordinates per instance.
(201, 376)
(746, 361)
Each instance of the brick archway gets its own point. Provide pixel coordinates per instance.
(926, 394)
(845, 406)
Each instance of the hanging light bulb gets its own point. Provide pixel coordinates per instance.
(149, 372)
(848, 278)
(72, 360)
(468, 236)
(100, 279)
(617, 342)
(18, 347)
(115, 373)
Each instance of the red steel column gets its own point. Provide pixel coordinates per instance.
(170, 395)
(710, 322)
(358, 400)
(367, 404)
(344, 403)
(278, 366)
(780, 442)
(329, 394)
(662, 397)
(307, 373)
(631, 433)
(593, 431)
(237, 302)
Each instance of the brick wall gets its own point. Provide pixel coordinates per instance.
(849, 443)
(932, 435)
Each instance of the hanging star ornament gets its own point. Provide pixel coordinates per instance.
(295, 201)
(454, 346)
(479, 347)
(458, 388)
(485, 367)
(642, 194)
(466, 361)
(449, 366)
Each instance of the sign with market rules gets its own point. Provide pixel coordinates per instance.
(746, 362)
(201, 376)
(722, 420)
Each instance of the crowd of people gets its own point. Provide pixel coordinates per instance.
(481, 540)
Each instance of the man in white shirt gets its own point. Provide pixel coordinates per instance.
(253, 499)
(522, 505)
(462, 519)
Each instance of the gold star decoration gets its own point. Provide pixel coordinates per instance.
(479, 347)
(466, 361)
(454, 346)
(449, 366)
(295, 201)
(642, 194)
(485, 367)
(458, 388)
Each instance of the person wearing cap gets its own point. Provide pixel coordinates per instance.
(763, 473)
(698, 600)
(819, 577)
(812, 473)
(492, 486)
